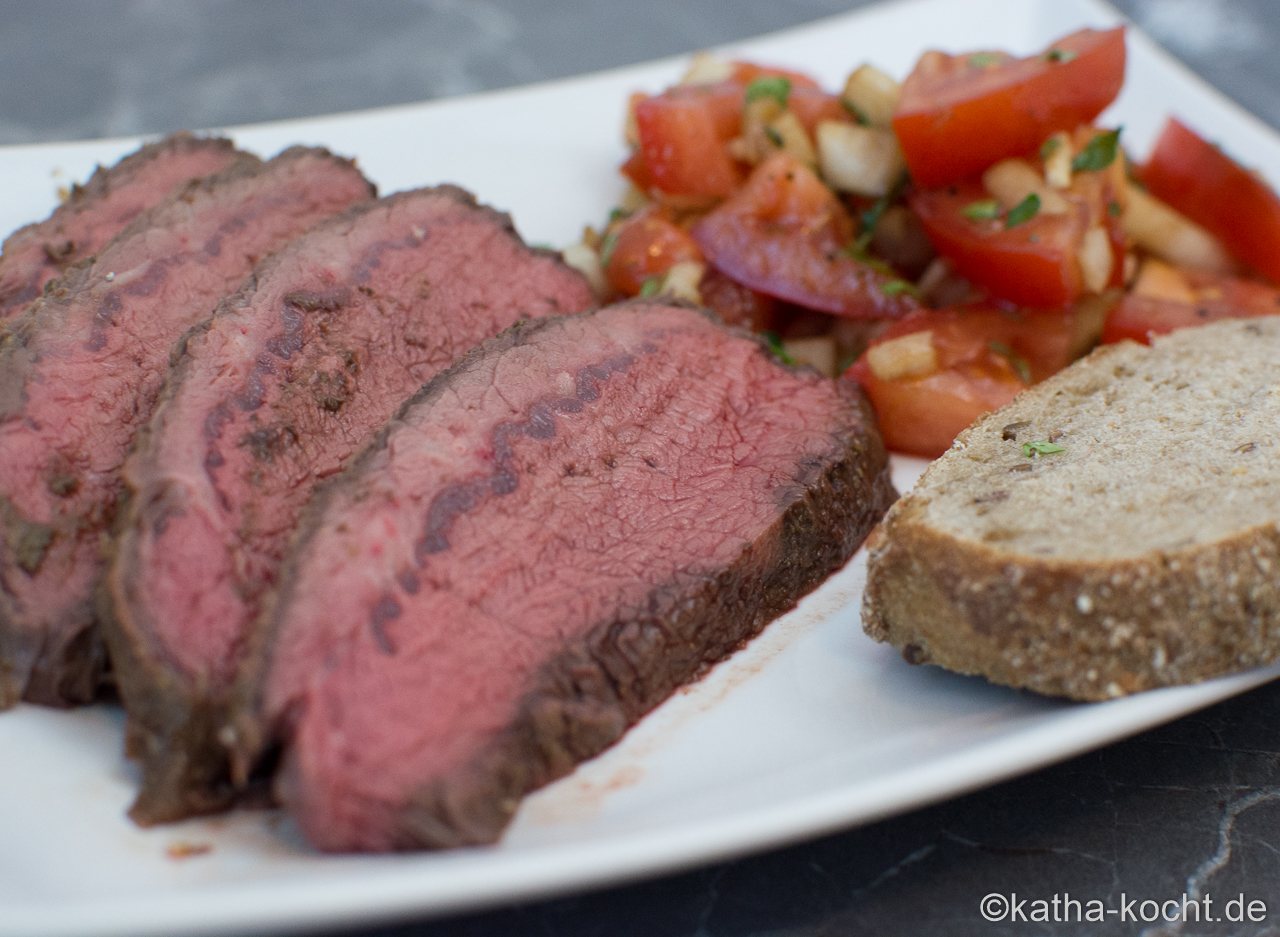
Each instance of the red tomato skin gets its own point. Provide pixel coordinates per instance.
(922, 416)
(1140, 317)
(683, 133)
(954, 120)
(784, 233)
(1215, 191)
(636, 170)
(647, 245)
(1032, 264)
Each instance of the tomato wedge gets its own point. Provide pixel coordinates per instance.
(1032, 264)
(1216, 297)
(784, 233)
(636, 170)
(647, 245)
(683, 136)
(959, 114)
(983, 356)
(1215, 191)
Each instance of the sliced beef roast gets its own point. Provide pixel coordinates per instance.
(290, 376)
(547, 540)
(99, 210)
(80, 371)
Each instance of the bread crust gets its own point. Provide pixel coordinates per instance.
(1160, 620)
(1088, 627)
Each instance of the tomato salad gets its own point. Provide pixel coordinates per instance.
(946, 242)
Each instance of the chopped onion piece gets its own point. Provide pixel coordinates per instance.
(872, 94)
(587, 262)
(633, 200)
(907, 356)
(630, 126)
(1158, 280)
(1172, 236)
(1012, 180)
(795, 141)
(1057, 166)
(707, 68)
(682, 281)
(864, 160)
(818, 352)
(1096, 259)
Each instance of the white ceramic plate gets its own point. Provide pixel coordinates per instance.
(811, 728)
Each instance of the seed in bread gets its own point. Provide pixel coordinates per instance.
(1113, 529)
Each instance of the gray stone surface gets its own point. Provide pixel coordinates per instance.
(1196, 803)
(91, 68)
(76, 69)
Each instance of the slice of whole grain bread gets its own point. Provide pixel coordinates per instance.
(1145, 553)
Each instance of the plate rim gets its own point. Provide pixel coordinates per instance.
(387, 894)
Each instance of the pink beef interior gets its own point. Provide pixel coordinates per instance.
(84, 365)
(291, 378)
(537, 492)
(99, 210)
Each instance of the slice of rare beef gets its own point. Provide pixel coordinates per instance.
(546, 541)
(290, 376)
(99, 210)
(80, 371)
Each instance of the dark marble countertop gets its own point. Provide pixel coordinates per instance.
(1194, 804)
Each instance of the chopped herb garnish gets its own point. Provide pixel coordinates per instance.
(778, 88)
(846, 363)
(776, 346)
(1049, 147)
(1061, 55)
(898, 287)
(983, 210)
(650, 286)
(1099, 153)
(1113, 209)
(983, 59)
(1040, 448)
(858, 251)
(542, 246)
(1016, 361)
(607, 244)
(857, 113)
(618, 214)
(1022, 212)
(774, 137)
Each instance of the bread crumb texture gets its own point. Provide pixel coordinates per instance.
(1113, 529)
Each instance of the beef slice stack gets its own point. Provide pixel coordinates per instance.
(80, 370)
(581, 515)
(99, 210)
(294, 372)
